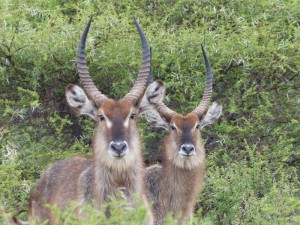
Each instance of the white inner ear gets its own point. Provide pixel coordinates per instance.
(213, 113)
(154, 94)
(79, 102)
(155, 120)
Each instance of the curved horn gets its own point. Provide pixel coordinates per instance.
(138, 88)
(88, 85)
(165, 111)
(150, 78)
(200, 109)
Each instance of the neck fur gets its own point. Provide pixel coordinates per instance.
(185, 179)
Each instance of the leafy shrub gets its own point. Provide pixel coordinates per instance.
(252, 153)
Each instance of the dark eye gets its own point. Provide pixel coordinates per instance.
(198, 126)
(132, 116)
(101, 117)
(173, 127)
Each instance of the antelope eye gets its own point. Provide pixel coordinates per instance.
(173, 127)
(198, 126)
(132, 116)
(101, 117)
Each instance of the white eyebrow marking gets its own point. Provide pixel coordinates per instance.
(196, 124)
(126, 122)
(174, 125)
(108, 122)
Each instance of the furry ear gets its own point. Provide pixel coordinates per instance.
(211, 116)
(155, 120)
(154, 94)
(79, 102)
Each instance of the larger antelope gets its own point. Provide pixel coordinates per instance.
(174, 186)
(117, 159)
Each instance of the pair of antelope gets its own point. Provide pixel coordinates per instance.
(117, 162)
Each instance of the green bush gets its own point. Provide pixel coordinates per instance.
(252, 153)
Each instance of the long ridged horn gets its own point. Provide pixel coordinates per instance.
(150, 78)
(165, 111)
(201, 108)
(88, 85)
(138, 88)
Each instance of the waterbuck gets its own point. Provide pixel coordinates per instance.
(117, 162)
(174, 186)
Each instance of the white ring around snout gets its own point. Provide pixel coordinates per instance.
(183, 154)
(115, 154)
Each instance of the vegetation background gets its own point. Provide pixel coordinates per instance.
(253, 155)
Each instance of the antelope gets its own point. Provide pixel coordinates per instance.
(173, 186)
(117, 162)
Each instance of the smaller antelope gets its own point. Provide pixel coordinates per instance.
(174, 186)
(117, 162)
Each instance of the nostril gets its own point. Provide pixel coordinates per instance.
(113, 147)
(123, 146)
(192, 148)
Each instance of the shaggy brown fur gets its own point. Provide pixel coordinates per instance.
(174, 186)
(99, 177)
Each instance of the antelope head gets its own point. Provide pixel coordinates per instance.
(184, 146)
(116, 135)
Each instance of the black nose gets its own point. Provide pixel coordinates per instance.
(187, 148)
(118, 147)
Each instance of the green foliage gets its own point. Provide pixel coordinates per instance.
(120, 213)
(250, 192)
(252, 153)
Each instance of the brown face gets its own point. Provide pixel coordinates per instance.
(185, 141)
(117, 124)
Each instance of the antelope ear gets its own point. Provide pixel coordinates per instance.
(211, 116)
(154, 119)
(154, 94)
(79, 102)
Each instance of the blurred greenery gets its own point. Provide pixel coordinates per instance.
(253, 155)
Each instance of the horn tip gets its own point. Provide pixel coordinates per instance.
(135, 20)
(203, 50)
